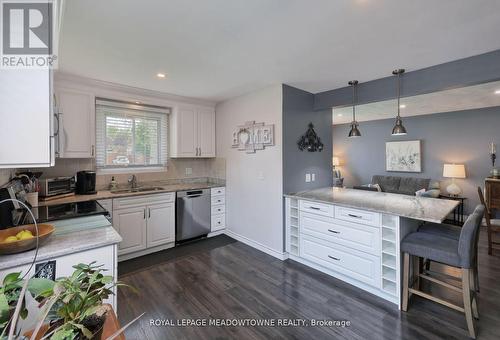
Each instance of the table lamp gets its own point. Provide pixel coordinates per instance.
(454, 171)
(336, 162)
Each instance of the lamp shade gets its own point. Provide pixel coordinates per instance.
(454, 171)
(335, 161)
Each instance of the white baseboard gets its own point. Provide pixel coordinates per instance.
(259, 246)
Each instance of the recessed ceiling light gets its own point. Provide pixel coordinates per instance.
(161, 75)
(137, 102)
(497, 92)
(402, 106)
(340, 115)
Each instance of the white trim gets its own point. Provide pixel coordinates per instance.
(130, 170)
(259, 246)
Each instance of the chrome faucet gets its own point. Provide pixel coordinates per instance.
(132, 180)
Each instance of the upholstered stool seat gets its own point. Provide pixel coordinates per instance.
(446, 230)
(433, 247)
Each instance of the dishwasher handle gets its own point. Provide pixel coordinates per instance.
(193, 196)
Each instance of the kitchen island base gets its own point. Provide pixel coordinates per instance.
(357, 246)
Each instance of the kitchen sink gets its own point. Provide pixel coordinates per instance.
(138, 189)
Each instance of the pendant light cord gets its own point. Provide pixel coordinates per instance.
(353, 101)
(399, 92)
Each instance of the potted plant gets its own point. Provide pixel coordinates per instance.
(70, 307)
(12, 288)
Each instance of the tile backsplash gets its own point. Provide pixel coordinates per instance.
(176, 169)
(5, 175)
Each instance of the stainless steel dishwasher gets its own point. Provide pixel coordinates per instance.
(193, 214)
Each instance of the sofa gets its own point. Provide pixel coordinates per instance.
(403, 185)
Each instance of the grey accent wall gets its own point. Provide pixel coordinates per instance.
(297, 113)
(452, 137)
(459, 73)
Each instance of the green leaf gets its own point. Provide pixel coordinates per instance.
(64, 334)
(88, 334)
(11, 278)
(4, 308)
(38, 286)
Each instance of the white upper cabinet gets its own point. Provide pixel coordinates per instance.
(76, 115)
(206, 132)
(192, 132)
(27, 138)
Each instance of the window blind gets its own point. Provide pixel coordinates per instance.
(130, 135)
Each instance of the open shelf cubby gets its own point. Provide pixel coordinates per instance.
(293, 226)
(389, 286)
(388, 248)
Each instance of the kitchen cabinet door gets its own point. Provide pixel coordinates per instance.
(26, 119)
(76, 110)
(161, 224)
(130, 223)
(187, 143)
(206, 132)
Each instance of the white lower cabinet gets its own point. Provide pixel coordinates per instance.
(159, 230)
(131, 224)
(218, 207)
(144, 222)
(358, 246)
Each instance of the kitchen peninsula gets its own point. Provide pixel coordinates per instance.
(354, 235)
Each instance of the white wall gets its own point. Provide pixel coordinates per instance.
(254, 182)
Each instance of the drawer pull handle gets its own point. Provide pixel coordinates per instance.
(334, 231)
(334, 258)
(314, 208)
(355, 216)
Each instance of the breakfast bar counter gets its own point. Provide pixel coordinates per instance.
(419, 208)
(355, 235)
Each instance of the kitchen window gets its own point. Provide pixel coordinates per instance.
(130, 135)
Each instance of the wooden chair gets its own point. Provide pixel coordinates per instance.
(493, 226)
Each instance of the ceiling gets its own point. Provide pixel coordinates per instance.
(465, 98)
(219, 49)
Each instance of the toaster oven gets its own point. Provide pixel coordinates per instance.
(57, 186)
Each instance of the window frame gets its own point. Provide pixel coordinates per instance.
(142, 110)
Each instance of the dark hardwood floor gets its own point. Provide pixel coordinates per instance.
(219, 278)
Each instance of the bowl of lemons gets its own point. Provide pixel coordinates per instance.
(23, 238)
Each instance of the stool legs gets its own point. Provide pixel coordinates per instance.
(406, 281)
(466, 289)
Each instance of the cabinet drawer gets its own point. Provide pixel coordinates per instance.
(357, 216)
(359, 237)
(317, 208)
(218, 209)
(134, 201)
(218, 200)
(357, 265)
(218, 191)
(218, 222)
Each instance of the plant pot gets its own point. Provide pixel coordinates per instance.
(94, 323)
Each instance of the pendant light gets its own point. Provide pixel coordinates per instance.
(399, 129)
(354, 124)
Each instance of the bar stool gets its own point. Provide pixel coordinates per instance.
(453, 232)
(456, 253)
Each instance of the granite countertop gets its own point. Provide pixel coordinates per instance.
(419, 208)
(64, 244)
(105, 194)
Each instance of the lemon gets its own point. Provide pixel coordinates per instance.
(24, 235)
(10, 239)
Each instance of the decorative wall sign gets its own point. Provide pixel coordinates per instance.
(310, 140)
(403, 156)
(253, 136)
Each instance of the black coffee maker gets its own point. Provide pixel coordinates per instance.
(85, 182)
